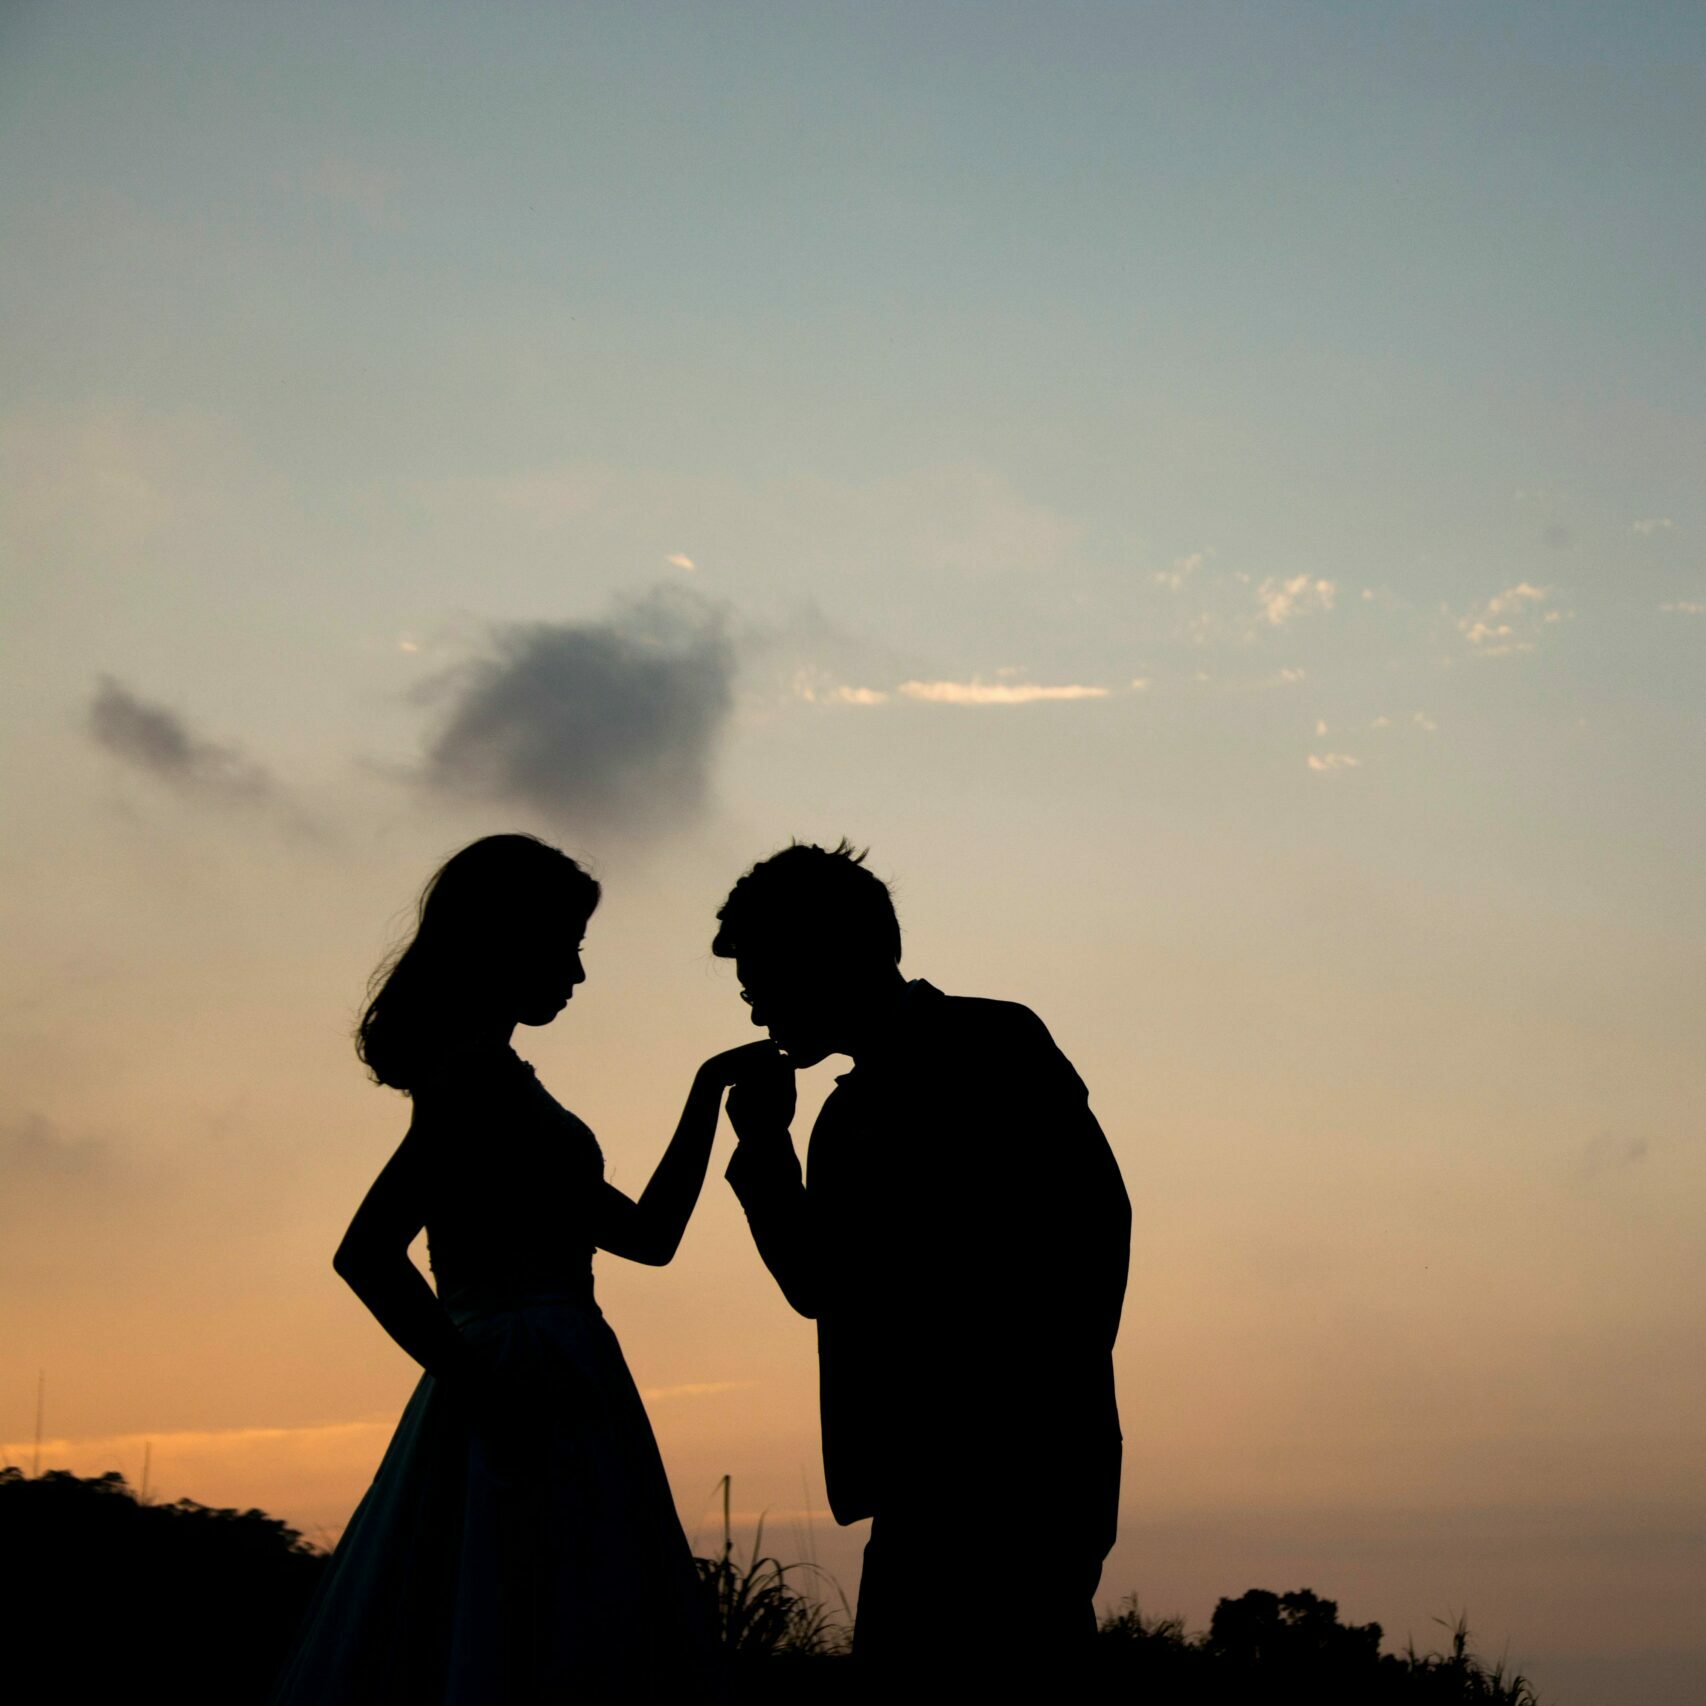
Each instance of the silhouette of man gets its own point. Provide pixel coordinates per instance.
(961, 1238)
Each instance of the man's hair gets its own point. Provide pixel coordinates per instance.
(809, 893)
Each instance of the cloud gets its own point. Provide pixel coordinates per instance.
(1423, 721)
(697, 1389)
(1323, 761)
(1495, 629)
(611, 725)
(1651, 525)
(1688, 607)
(1609, 1152)
(1283, 600)
(680, 560)
(994, 693)
(31, 1146)
(1181, 570)
(155, 739)
(817, 687)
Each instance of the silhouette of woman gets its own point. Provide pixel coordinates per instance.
(519, 1542)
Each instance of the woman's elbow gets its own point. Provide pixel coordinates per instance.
(354, 1265)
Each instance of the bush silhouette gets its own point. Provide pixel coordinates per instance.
(103, 1591)
(1269, 1649)
(108, 1598)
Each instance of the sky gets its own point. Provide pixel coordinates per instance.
(1211, 495)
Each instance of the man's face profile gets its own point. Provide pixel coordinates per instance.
(793, 1000)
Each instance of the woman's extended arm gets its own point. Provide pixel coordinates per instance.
(373, 1260)
(650, 1230)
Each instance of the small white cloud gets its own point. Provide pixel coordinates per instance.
(1688, 607)
(1423, 721)
(680, 560)
(1368, 595)
(1513, 598)
(1140, 684)
(1651, 525)
(1494, 629)
(994, 693)
(1290, 677)
(407, 646)
(817, 687)
(1181, 570)
(1320, 727)
(1282, 600)
(1321, 761)
(1381, 723)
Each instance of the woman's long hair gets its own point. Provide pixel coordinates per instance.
(481, 906)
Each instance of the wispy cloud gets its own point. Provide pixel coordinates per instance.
(1687, 607)
(1610, 1152)
(1496, 628)
(1283, 600)
(1181, 570)
(157, 741)
(697, 1389)
(33, 1145)
(818, 688)
(680, 560)
(1325, 761)
(995, 692)
(1651, 525)
(612, 724)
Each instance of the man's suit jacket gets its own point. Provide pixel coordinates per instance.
(961, 1237)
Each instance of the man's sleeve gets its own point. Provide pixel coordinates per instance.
(768, 1181)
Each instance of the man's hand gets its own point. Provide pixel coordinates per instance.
(761, 1102)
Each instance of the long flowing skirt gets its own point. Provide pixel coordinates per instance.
(517, 1547)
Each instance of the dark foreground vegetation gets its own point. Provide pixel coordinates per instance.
(108, 1597)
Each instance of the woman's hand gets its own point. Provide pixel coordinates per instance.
(735, 1064)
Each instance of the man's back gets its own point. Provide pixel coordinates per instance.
(968, 1236)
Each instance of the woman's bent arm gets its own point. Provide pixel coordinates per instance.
(373, 1260)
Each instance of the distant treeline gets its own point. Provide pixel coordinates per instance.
(107, 1597)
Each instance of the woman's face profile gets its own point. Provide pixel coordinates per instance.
(547, 970)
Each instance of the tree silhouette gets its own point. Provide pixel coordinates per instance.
(103, 1591)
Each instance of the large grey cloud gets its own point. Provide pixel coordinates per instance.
(610, 725)
(155, 739)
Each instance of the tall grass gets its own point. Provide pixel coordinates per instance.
(760, 1613)
(1460, 1675)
